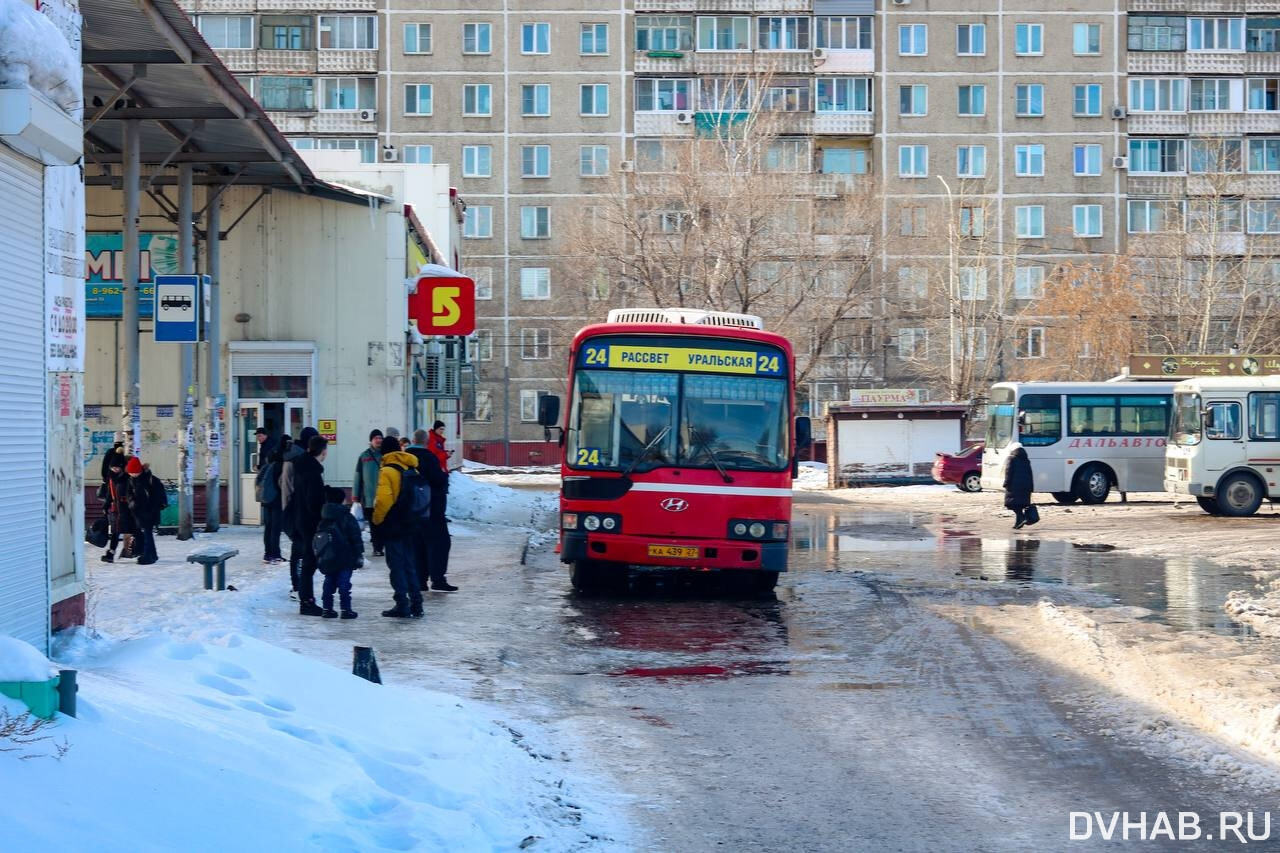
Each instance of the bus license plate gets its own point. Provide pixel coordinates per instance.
(678, 551)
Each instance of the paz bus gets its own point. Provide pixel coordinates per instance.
(1083, 438)
(679, 445)
(1224, 448)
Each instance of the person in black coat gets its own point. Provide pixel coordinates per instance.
(1018, 484)
(433, 543)
(146, 498)
(267, 492)
(115, 503)
(305, 506)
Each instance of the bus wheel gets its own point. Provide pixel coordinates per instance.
(1093, 484)
(1209, 505)
(972, 482)
(1239, 495)
(587, 576)
(1065, 497)
(757, 583)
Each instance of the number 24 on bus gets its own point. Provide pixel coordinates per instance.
(444, 305)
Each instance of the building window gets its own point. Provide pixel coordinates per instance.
(348, 32)
(344, 94)
(1028, 282)
(366, 146)
(535, 161)
(1030, 343)
(416, 153)
(1086, 39)
(913, 283)
(593, 99)
(1209, 95)
(477, 222)
(972, 344)
(1157, 156)
(483, 277)
(1028, 39)
(227, 32)
(724, 94)
(529, 402)
(844, 94)
(834, 32)
(724, 33)
(1087, 100)
(843, 161)
(1155, 216)
(971, 284)
(1264, 154)
(971, 100)
(477, 161)
(1264, 216)
(913, 39)
(1157, 95)
(535, 345)
(535, 224)
(1215, 156)
(913, 100)
(971, 161)
(788, 155)
(1215, 216)
(1157, 32)
(417, 38)
(1028, 161)
(417, 99)
(663, 95)
(535, 38)
(779, 33)
(477, 99)
(913, 343)
(788, 95)
(913, 161)
(535, 99)
(973, 221)
(971, 39)
(286, 32)
(482, 410)
(1029, 221)
(1029, 100)
(482, 344)
(1262, 35)
(535, 282)
(287, 93)
(477, 38)
(664, 32)
(593, 161)
(1087, 160)
(593, 40)
(1216, 34)
(914, 221)
(1086, 220)
(1264, 95)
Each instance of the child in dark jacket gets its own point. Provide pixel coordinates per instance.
(340, 526)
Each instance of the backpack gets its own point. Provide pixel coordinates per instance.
(413, 504)
(333, 554)
(268, 484)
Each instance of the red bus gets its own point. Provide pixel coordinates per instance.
(679, 447)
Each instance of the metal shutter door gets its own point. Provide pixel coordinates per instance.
(24, 582)
(269, 363)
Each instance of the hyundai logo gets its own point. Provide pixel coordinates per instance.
(674, 504)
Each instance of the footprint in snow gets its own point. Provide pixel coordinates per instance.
(362, 804)
(332, 842)
(217, 682)
(210, 703)
(300, 732)
(279, 704)
(410, 785)
(230, 670)
(183, 651)
(258, 708)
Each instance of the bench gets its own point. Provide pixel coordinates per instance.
(211, 557)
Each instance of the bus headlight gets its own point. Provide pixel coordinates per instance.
(780, 529)
(569, 520)
(740, 529)
(591, 522)
(756, 530)
(609, 522)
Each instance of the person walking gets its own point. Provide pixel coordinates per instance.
(364, 486)
(432, 540)
(393, 511)
(146, 499)
(339, 551)
(115, 503)
(1018, 485)
(267, 493)
(305, 504)
(295, 452)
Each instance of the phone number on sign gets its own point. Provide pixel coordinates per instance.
(1232, 827)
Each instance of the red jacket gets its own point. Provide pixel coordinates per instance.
(435, 443)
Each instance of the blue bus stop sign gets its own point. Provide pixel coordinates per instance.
(177, 308)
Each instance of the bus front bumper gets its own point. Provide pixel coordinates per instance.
(655, 552)
(1182, 487)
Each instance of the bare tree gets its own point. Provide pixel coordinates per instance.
(1092, 323)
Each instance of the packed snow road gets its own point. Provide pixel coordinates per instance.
(861, 708)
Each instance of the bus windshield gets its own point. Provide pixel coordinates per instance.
(999, 425)
(640, 420)
(1186, 419)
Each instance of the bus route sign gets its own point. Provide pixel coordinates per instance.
(630, 356)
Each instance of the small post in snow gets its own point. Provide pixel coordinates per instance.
(365, 665)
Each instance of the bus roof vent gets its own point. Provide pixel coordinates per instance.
(690, 316)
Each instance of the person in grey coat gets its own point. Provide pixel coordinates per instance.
(364, 486)
(1018, 485)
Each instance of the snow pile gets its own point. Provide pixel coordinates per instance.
(813, 477)
(473, 500)
(33, 52)
(20, 661)
(233, 744)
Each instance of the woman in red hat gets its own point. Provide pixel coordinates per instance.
(146, 498)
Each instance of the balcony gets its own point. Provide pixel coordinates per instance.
(1262, 63)
(315, 5)
(322, 123)
(1176, 62)
(1156, 186)
(662, 124)
(845, 124)
(845, 61)
(1215, 244)
(1233, 124)
(645, 6)
(1262, 186)
(1169, 124)
(648, 63)
(347, 61)
(729, 63)
(1156, 62)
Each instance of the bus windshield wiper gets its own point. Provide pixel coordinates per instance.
(645, 450)
(702, 442)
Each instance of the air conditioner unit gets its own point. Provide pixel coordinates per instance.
(368, 115)
(819, 54)
(1119, 162)
(684, 118)
(390, 154)
(1118, 113)
(626, 166)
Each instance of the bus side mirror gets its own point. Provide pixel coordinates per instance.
(1207, 414)
(548, 410)
(804, 433)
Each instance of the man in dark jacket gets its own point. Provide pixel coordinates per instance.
(304, 516)
(146, 497)
(1018, 485)
(433, 541)
(114, 500)
(296, 451)
(267, 489)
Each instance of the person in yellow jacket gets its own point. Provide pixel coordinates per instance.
(397, 539)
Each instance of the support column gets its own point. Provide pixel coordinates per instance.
(186, 394)
(131, 414)
(213, 246)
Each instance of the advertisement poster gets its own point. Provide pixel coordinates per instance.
(64, 291)
(104, 271)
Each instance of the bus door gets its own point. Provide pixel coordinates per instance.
(1262, 428)
(1224, 444)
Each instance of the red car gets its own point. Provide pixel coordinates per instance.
(964, 469)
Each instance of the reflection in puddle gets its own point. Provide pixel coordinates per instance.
(1183, 592)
